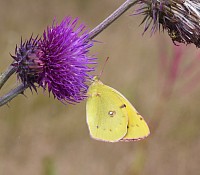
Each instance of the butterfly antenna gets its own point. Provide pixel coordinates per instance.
(104, 65)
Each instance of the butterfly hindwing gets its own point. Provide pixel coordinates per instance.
(106, 120)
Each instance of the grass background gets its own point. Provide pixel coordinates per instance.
(41, 136)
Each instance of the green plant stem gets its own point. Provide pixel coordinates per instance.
(92, 34)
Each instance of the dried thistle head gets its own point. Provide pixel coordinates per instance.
(180, 18)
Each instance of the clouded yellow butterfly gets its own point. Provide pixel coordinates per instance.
(111, 117)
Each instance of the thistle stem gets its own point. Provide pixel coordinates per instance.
(6, 75)
(92, 34)
(109, 20)
(12, 94)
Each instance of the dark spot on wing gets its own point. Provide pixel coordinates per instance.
(111, 113)
(110, 130)
(98, 95)
(141, 118)
(123, 106)
(131, 126)
(97, 126)
(137, 125)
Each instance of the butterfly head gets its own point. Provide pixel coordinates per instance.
(95, 78)
(96, 81)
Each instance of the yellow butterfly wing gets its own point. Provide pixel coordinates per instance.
(137, 127)
(111, 117)
(105, 119)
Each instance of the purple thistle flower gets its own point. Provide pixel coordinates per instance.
(63, 54)
(179, 17)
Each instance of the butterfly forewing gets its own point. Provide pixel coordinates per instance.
(137, 127)
(106, 118)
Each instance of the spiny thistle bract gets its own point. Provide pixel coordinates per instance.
(27, 62)
(181, 18)
(59, 61)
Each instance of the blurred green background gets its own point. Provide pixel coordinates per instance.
(41, 136)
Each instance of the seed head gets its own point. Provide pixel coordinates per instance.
(180, 18)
